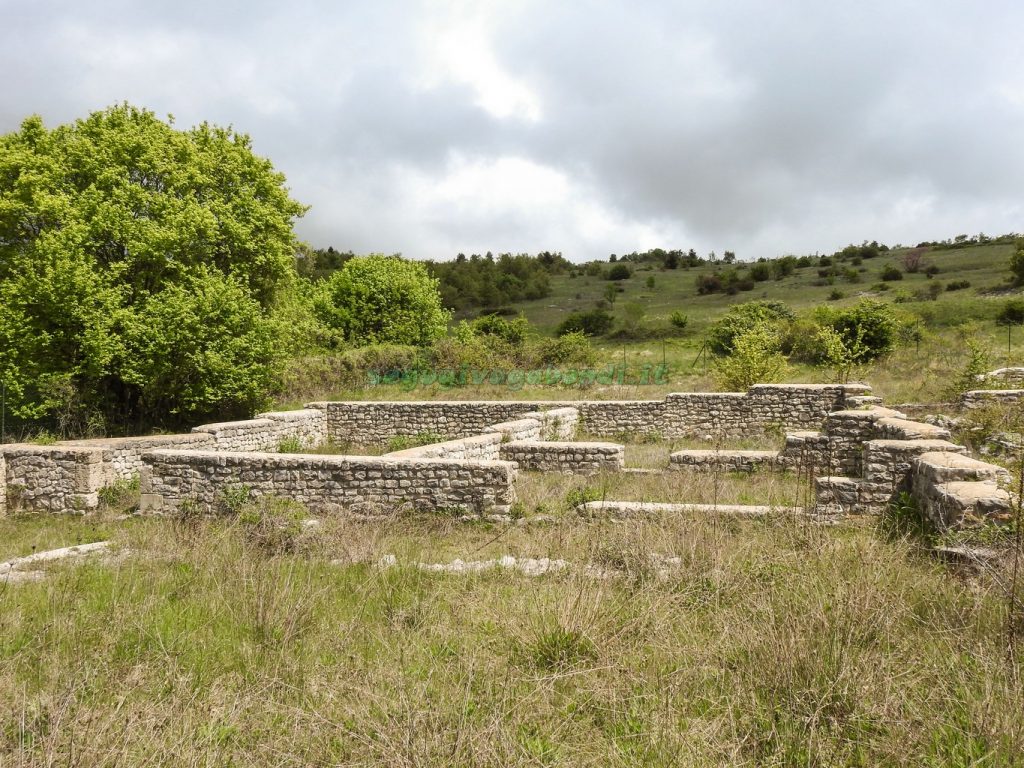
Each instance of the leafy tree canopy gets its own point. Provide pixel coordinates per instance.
(381, 299)
(122, 237)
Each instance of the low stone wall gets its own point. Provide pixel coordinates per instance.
(126, 452)
(978, 398)
(55, 478)
(477, 447)
(565, 457)
(268, 430)
(952, 489)
(725, 460)
(325, 484)
(764, 407)
(1004, 375)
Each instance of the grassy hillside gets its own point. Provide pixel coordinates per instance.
(985, 267)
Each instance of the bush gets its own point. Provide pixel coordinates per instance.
(594, 322)
(619, 272)
(760, 272)
(868, 325)
(958, 285)
(743, 317)
(512, 331)
(708, 284)
(890, 273)
(678, 319)
(836, 295)
(1017, 264)
(570, 349)
(1011, 313)
(381, 299)
(755, 358)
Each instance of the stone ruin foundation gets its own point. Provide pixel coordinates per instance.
(861, 454)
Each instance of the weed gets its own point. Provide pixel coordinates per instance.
(559, 648)
(233, 499)
(404, 442)
(122, 495)
(274, 526)
(291, 444)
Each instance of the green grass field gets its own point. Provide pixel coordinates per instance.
(679, 640)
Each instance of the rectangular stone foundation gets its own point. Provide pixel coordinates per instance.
(363, 484)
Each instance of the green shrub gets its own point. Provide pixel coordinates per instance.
(619, 272)
(755, 358)
(744, 317)
(572, 349)
(290, 444)
(594, 322)
(891, 272)
(678, 319)
(958, 285)
(121, 495)
(869, 325)
(381, 299)
(760, 271)
(514, 331)
(708, 284)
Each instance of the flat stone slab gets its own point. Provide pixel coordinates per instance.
(644, 508)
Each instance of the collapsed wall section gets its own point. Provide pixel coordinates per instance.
(363, 484)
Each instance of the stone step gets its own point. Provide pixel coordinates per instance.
(945, 467)
(957, 503)
(728, 460)
(892, 428)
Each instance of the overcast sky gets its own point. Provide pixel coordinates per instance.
(589, 128)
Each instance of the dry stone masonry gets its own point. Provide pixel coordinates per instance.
(862, 455)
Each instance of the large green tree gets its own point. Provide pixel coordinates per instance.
(139, 269)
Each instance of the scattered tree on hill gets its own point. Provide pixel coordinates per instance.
(139, 266)
(489, 282)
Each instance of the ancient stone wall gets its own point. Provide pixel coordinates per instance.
(978, 398)
(362, 484)
(765, 407)
(577, 458)
(126, 452)
(267, 431)
(55, 477)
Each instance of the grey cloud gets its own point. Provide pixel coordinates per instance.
(763, 127)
